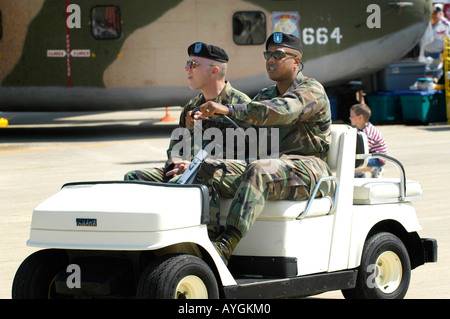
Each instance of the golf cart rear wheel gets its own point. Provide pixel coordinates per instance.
(178, 277)
(385, 269)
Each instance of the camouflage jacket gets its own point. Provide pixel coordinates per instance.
(229, 95)
(302, 115)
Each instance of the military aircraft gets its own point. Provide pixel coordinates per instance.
(79, 55)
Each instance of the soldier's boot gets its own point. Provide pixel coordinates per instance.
(227, 243)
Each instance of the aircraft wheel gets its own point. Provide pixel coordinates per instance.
(385, 269)
(36, 275)
(178, 277)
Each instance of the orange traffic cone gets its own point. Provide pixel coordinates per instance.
(167, 118)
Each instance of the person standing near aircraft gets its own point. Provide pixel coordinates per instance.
(299, 107)
(441, 29)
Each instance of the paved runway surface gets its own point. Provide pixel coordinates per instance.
(39, 152)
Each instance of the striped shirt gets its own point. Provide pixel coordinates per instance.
(376, 141)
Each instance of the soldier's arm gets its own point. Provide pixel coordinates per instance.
(301, 104)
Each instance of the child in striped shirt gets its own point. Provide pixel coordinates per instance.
(359, 117)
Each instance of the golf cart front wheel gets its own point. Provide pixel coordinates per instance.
(385, 269)
(178, 277)
(35, 278)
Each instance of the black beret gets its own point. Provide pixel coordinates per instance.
(284, 40)
(207, 51)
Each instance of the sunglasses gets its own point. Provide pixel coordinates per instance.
(190, 64)
(277, 55)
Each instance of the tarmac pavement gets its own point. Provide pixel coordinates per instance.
(39, 152)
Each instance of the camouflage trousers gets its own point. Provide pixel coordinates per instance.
(290, 177)
(154, 174)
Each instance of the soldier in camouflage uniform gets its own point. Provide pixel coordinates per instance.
(206, 72)
(298, 106)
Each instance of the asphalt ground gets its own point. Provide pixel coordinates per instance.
(39, 152)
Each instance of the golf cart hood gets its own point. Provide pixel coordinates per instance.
(123, 206)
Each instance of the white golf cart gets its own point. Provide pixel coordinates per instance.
(147, 240)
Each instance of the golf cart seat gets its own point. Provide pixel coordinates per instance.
(290, 210)
(368, 191)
